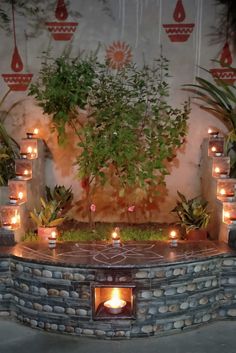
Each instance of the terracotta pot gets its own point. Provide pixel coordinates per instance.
(197, 234)
(45, 232)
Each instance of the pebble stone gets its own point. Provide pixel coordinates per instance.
(47, 273)
(59, 309)
(141, 274)
(147, 329)
(179, 324)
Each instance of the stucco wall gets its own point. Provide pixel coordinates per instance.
(138, 23)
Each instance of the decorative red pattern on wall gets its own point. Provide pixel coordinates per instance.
(118, 55)
(227, 74)
(62, 31)
(17, 81)
(179, 32)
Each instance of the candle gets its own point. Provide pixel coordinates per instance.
(115, 304)
(215, 151)
(173, 238)
(52, 240)
(30, 135)
(31, 153)
(116, 237)
(213, 133)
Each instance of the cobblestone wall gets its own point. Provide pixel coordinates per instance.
(168, 298)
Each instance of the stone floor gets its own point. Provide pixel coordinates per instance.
(214, 338)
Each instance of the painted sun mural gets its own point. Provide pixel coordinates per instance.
(118, 55)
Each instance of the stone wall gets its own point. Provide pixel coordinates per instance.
(169, 298)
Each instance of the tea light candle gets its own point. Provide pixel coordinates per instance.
(31, 153)
(215, 152)
(30, 135)
(116, 238)
(220, 173)
(228, 194)
(173, 239)
(52, 240)
(213, 133)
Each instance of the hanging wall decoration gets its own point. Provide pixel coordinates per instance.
(179, 32)
(118, 55)
(225, 73)
(17, 81)
(61, 30)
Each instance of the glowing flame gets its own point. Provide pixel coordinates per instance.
(26, 172)
(20, 195)
(61, 11)
(35, 150)
(179, 13)
(213, 149)
(115, 301)
(226, 214)
(217, 170)
(226, 57)
(115, 236)
(222, 192)
(53, 234)
(210, 131)
(29, 149)
(36, 131)
(16, 63)
(173, 234)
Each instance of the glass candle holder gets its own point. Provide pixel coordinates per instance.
(221, 167)
(216, 147)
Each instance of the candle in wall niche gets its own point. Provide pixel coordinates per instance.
(20, 195)
(215, 152)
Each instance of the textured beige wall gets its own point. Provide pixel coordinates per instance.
(139, 23)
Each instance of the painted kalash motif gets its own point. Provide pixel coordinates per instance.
(225, 73)
(118, 55)
(61, 29)
(179, 32)
(17, 81)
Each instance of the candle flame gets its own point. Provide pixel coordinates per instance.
(217, 170)
(173, 234)
(29, 149)
(36, 131)
(213, 149)
(115, 235)
(226, 214)
(222, 192)
(20, 195)
(209, 131)
(26, 172)
(53, 234)
(115, 301)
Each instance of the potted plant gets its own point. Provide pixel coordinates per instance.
(193, 216)
(62, 195)
(47, 218)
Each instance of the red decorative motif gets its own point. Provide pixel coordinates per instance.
(17, 81)
(179, 32)
(118, 55)
(61, 30)
(226, 74)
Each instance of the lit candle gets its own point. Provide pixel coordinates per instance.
(222, 192)
(52, 240)
(116, 237)
(26, 172)
(213, 133)
(31, 153)
(173, 238)
(115, 305)
(220, 173)
(30, 135)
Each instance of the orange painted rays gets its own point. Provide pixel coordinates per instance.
(118, 55)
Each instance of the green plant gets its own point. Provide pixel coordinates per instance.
(9, 149)
(219, 99)
(48, 215)
(131, 133)
(62, 195)
(192, 213)
(63, 87)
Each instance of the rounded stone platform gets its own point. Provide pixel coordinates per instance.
(170, 289)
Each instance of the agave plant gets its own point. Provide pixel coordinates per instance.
(219, 99)
(48, 215)
(62, 195)
(192, 213)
